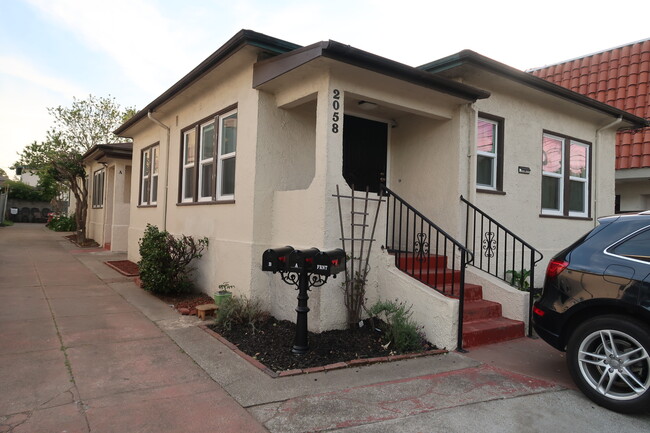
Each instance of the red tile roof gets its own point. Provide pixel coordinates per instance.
(619, 77)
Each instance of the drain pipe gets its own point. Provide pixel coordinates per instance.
(596, 172)
(162, 125)
(471, 139)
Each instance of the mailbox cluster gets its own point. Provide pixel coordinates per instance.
(312, 260)
(304, 269)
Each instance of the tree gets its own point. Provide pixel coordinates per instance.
(76, 129)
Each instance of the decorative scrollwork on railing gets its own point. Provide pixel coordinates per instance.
(489, 244)
(421, 246)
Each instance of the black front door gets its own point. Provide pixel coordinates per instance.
(364, 152)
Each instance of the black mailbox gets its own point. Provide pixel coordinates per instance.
(329, 262)
(300, 260)
(275, 259)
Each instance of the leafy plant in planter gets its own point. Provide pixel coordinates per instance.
(225, 292)
(165, 260)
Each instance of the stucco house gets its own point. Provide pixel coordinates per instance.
(108, 170)
(249, 147)
(620, 77)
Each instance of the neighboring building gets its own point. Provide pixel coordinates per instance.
(108, 167)
(253, 142)
(620, 77)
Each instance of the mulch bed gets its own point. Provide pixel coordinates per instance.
(88, 243)
(271, 344)
(124, 267)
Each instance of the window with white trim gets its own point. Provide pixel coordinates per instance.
(489, 153)
(227, 153)
(149, 175)
(208, 159)
(98, 188)
(565, 176)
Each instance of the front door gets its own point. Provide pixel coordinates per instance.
(365, 144)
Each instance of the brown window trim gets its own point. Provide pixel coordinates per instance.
(564, 217)
(490, 191)
(203, 203)
(103, 185)
(566, 157)
(142, 152)
(195, 182)
(500, 121)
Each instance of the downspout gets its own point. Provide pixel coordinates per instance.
(104, 204)
(596, 172)
(162, 125)
(471, 140)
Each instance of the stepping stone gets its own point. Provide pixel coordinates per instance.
(205, 309)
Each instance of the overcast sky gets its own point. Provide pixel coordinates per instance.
(134, 50)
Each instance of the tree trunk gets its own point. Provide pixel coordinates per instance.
(81, 207)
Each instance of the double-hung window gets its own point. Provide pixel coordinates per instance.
(149, 175)
(227, 153)
(206, 162)
(208, 159)
(489, 153)
(98, 188)
(565, 176)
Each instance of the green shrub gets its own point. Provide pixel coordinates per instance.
(165, 260)
(401, 332)
(240, 310)
(62, 223)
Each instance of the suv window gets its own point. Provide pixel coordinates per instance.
(636, 247)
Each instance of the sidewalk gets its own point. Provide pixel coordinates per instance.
(76, 356)
(82, 349)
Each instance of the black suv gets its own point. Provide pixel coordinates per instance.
(596, 307)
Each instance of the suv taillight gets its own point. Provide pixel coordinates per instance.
(555, 267)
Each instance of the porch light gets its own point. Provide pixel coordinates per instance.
(366, 105)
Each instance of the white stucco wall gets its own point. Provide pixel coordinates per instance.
(635, 194)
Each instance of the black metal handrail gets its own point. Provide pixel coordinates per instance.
(501, 253)
(425, 251)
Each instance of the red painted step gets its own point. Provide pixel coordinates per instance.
(481, 310)
(482, 320)
(490, 331)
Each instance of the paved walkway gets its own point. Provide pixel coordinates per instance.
(82, 349)
(76, 356)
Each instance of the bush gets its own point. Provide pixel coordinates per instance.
(165, 261)
(62, 223)
(401, 332)
(240, 310)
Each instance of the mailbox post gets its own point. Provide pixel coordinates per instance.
(303, 269)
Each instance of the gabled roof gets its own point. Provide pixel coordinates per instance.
(242, 38)
(469, 57)
(621, 77)
(272, 68)
(109, 150)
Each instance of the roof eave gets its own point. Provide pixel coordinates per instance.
(270, 69)
(475, 59)
(239, 40)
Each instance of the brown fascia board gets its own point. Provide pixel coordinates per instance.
(111, 150)
(241, 39)
(475, 59)
(269, 69)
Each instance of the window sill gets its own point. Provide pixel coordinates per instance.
(564, 217)
(490, 191)
(147, 205)
(201, 203)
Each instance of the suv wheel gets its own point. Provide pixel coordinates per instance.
(608, 358)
